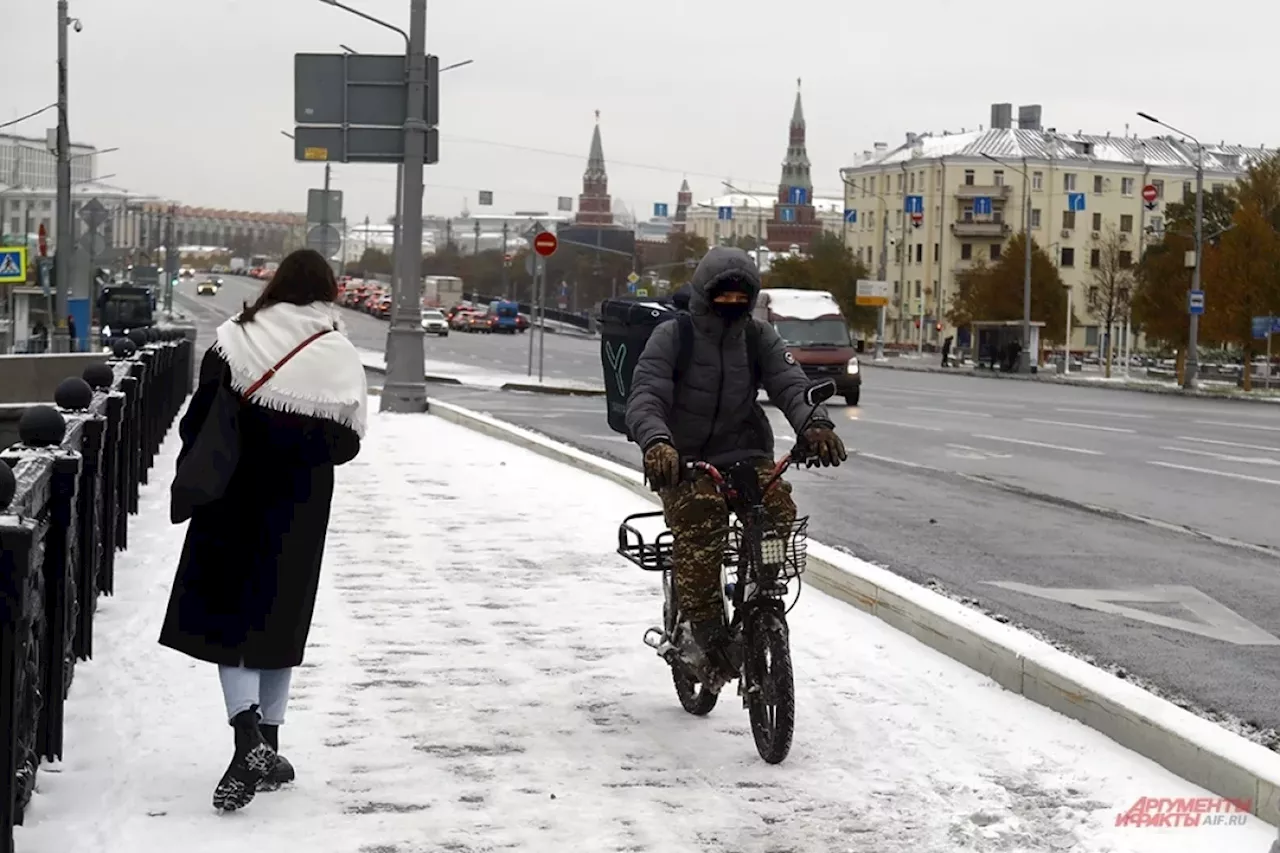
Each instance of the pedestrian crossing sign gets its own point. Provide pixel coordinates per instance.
(13, 264)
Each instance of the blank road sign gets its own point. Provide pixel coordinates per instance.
(325, 239)
(358, 89)
(318, 211)
(359, 144)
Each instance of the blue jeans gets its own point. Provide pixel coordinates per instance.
(244, 688)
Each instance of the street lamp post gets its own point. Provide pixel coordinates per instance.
(62, 257)
(1192, 367)
(1024, 358)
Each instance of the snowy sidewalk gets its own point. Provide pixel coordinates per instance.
(480, 377)
(476, 682)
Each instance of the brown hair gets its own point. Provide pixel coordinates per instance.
(303, 277)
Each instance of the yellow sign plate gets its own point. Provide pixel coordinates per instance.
(875, 301)
(13, 264)
(315, 153)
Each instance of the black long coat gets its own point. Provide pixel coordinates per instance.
(246, 582)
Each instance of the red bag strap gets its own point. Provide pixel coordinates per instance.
(266, 377)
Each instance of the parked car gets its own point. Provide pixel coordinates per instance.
(434, 323)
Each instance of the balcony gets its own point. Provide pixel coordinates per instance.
(992, 191)
(986, 229)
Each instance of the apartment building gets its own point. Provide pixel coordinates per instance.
(955, 199)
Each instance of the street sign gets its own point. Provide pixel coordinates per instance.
(545, 244)
(565, 203)
(1195, 302)
(982, 205)
(798, 195)
(913, 204)
(917, 219)
(659, 210)
(13, 264)
(94, 214)
(724, 213)
(362, 89)
(486, 198)
(1262, 326)
(1075, 202)
(787, 214)
(318, 211)
(642, 291)
(358, 144)
(851, 216)
(93, 242)
(325, 239)
(632, 278)
(870, 292)
(1150, 194)
(44, 274)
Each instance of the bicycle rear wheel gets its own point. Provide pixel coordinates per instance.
(770, 688)
(694, 697)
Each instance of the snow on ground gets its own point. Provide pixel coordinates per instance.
(476, 682)
(478, 377)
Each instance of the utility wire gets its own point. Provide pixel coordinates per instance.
(27, 116)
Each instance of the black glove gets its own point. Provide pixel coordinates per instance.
(661, 465)
(825, 445)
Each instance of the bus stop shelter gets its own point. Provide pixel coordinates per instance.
(992, 340)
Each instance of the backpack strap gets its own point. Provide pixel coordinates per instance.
(684, 355)
(753, 350)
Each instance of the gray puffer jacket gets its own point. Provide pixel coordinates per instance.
(713, 413)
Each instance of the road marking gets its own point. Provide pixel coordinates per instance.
(1239, 426)
(949, 412)
(1079, 426)
(1216, 620)
(1105, 414)
(897, 424)
(1249, 460)
(1245, 477)
(978, 453)
(1229, 444)
(1040, 444)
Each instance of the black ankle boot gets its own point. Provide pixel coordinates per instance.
(282, 772)
(250, 763)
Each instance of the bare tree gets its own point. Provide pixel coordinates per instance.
(1111, 284)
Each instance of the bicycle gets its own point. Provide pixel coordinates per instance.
(763, 558)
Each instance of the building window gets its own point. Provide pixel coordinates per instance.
(1159, 185)
(871, 218)
(912, 182)
(873, 185)
(1037, 181)
(967, 213)
(997, 177)
(897, 288)
(47, 205)
(1126, 223)
(919, 252)
(900, 181)
(1157, 225)
(1068, 219)
(968, 177)
(1097, 222)
(1035, 217)
(1091, 336)
(1186, 191)
(1125, 259)
(1069, 182)
(995, 251)
(1126, 186)
(1095, 258)
(1068, 256)
(966, 251)
(15, 225)
(937, 252)
(917, 288)
(1093, 295)
(1097, 185)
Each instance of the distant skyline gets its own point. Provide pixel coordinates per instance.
(195, 95)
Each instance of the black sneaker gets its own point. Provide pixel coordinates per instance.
(282, 772)
(250, 763)
(712, 638)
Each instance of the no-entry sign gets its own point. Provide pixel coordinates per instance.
(1149, 194)
(545, 244)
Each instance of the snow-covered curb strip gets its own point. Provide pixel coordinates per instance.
(1193, 748)
(376, 363)
(1140, 385)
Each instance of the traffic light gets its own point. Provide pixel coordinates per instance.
(937, 327)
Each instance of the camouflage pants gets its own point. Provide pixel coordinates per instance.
(698, 517)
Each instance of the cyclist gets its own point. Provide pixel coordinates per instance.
(710, 412)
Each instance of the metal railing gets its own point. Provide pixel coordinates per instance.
(76, 471)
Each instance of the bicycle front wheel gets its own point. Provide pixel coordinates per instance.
(770, 688)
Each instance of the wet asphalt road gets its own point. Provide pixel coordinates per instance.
(971, 482)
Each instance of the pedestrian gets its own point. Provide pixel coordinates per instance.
(246, 582)
(73, 340)
(946, 351)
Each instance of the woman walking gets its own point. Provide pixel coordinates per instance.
(246, 582)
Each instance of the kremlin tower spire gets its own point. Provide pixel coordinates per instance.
(684, 200)
(794, 219)
(594, 204)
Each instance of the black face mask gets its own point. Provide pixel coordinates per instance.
(730, 311)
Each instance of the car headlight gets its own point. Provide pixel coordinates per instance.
(853, 366)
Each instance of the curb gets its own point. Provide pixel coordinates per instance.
(439, 380)
(1195, 749)
(553, 389)
(1143, 389)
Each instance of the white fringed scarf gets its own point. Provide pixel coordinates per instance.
(324, 380)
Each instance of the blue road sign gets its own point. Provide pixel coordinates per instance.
(13, 264)
(798, 195)
(982, 205)
(44, 273)
(788, 214)
(724, 213)
(659, 209)
(913, 204)
(1195, 301)
(1075, 201)
(1263, 326)
(851, 216)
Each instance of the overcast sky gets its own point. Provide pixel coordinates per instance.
(195, 92)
